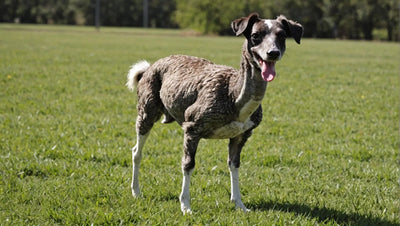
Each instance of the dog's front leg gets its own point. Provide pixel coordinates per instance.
(235, 191)
(235, 147)
(188, 161)
(185, 194)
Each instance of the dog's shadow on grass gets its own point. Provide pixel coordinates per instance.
(320, 214)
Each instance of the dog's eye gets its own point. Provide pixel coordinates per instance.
(256, 38)
(255, 35)
(281, 34)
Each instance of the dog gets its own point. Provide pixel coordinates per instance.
(210, 101)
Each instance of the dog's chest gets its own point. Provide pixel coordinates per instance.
(232, 129)
(240, 125)
(248, 109)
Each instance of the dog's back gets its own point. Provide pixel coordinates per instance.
(180, 82)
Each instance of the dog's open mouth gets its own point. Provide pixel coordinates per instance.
(268, 72)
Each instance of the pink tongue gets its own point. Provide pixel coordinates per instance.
(268, 70)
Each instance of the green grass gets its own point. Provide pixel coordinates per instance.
(325, 153)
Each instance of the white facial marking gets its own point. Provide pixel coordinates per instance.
(268, 23)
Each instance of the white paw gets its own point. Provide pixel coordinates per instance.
(186, 210)
(240, 205)
(136, 192)
(245, 210)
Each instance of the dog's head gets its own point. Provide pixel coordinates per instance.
(266, 40)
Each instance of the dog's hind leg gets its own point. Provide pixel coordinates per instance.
(149, 111)
(143, 127)
(136, 158)
(235, 147)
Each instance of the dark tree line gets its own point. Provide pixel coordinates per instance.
(352, 19)
(82, 12)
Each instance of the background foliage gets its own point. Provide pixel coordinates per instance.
(353, 19)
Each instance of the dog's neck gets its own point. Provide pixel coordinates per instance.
(250, 85)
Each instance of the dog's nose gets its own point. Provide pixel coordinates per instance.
(273, 54)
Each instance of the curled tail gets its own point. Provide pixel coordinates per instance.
(135, 73)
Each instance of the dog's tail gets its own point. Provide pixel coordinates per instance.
(135, 74)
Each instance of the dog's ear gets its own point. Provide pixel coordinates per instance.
(243, 25)
(292, 29)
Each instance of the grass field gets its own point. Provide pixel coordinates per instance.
(325, 153)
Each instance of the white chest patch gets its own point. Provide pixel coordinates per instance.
(240, 125)
(232, 129)
(248, 109)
